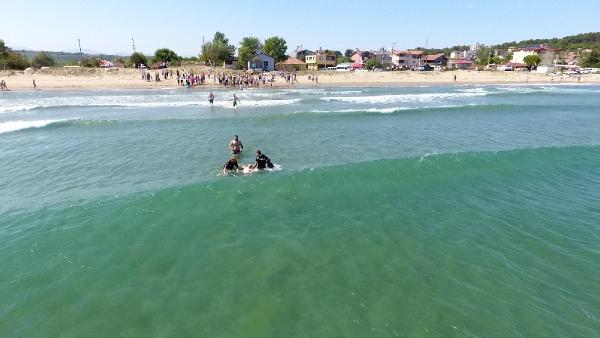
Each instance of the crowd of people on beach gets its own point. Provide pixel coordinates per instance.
(187, 78)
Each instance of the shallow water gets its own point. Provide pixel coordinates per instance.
(400, 211)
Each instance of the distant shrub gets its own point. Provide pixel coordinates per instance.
(43, 59)
(136, 59)
(90, 63)
(16, 61)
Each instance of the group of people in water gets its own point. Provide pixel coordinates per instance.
(261, 161)
(211, 99)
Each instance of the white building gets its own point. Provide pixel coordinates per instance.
(262, 62)
(408, 59)
(548, 55)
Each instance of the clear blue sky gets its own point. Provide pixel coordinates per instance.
(107, 26)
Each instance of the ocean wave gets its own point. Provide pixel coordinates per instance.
(12, 126)
(388, 110)
(424, 97)
(164, 104)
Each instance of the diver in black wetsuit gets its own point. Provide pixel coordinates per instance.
(262, 161)
(231, 165)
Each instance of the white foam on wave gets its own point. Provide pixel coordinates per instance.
(16, 108)
(12, 126)
(386, 110)
(424, 97)
(137, 102)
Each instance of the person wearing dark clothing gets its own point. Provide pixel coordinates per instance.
(231, 165)
(262, 161)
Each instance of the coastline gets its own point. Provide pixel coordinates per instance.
(115, 79)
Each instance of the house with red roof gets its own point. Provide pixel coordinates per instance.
(459, 64)
(360, 58)
(436, 60)
(408, 59)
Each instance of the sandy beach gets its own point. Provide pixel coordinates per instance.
(119, 78)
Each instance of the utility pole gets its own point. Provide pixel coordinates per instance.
(80, 54)
(133, 44)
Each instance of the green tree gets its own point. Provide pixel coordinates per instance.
(90, 63)
(372, 64)
(218, 50)
(3, 50)
(344, 59)
(532, 60)
(592, 60)
(276, 47)
(249, 47)
(136, 59)
(348, 53)
(165, 55)
(15, 60)
(43, 59)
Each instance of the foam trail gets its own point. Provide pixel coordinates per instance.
(402, 97)
(12, 126)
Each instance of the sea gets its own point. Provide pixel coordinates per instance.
(397, 211)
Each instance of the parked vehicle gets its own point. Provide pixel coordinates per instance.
(424, 68)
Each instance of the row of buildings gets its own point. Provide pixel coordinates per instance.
(304, 59)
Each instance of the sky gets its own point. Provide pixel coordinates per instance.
(107, 26)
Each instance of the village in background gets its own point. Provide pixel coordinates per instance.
(578, 54)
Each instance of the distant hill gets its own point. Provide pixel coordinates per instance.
(569, 43)
(66, 57)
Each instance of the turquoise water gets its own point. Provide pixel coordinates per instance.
(399, 211)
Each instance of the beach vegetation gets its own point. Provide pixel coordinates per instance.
(249, 47)
(16, 60)
(43, 59)
(372, 64)
(136, 59)
(276, 47)
(532, 60)
(216, 51)
(592, 60)
(90, 63)
(165, 55)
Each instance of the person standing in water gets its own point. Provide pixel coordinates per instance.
(236, 100)
(211, 98)
(34, 85)
(236, 145)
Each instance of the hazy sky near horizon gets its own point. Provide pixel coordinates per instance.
(107, 26)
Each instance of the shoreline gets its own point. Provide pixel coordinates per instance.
(100, 79)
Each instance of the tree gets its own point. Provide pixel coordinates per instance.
(16, 60)
(532, 60)
(344, 59)
(276, 47)
(220, 38)
(3, 50)
(372, 64)
(348, 53)
(165, 55)
(136, 59)
(592, 60)
(249, 47)
(43, 59)
(218, 50)
(90, 63)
